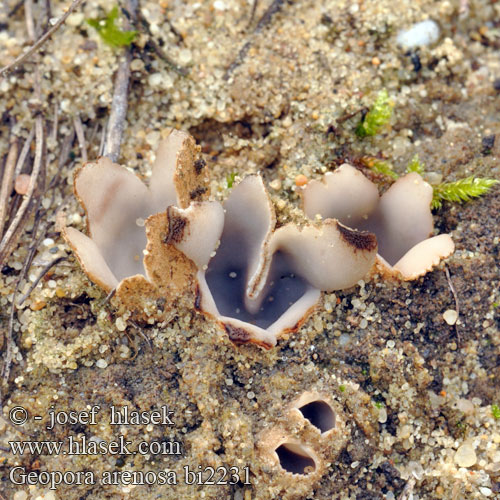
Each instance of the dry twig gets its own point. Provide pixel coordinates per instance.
(44, 271)
(119, 105)
(252, 13)
(24, 152)
(455, 297)
(7, 181)
(13, 232)
(80, 134)
(22, 58)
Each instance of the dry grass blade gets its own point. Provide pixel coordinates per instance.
(22, 58)
(13, 232)
(455, 297)
(7, 181)
(119, 105)
(11, 345)
(24, 152)
(80, 134)
(119, 108)
(44, 271)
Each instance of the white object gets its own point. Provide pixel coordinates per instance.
(419, 35)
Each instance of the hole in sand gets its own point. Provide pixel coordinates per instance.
(320, 414)
(295, 459)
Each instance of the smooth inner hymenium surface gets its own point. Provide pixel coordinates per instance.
(320, 414)
(227, 278)
(293, 458)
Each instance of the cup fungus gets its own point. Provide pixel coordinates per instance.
(260, 283)
(117, 204)
(401, 218)
(304, 439)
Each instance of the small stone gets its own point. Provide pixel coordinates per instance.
(382, 415)
(137, 65)
(120, 324)
(185, 56)
(465, 406)
(275, 184)
(300, 180)
(22, 183)
(465, 456)
(487, 144)
(419, 35)
(38, 305)
(20, 495)
(101, 363)
(450, 316)
(485, 491)
(155, 79)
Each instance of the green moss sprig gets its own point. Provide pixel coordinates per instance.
(415, 166)
(379, 114)
(458, 192)
(110, 32)
(495, 411)
(230, 178)
(380, 167)
(461, 190)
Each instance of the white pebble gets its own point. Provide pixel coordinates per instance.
(101, 363)
(220, 5)
(419, 35)
(465, 456)
(120, 324)
(450, 316)
(275, 184)
(185, 56)
(485, 491)
(20, 495)
(155, 80)
(382, 415)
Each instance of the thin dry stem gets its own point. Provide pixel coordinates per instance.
(80, 134)
(44, 271)
(13, 231)
(7, 181)
(119, 105)
(24, 152)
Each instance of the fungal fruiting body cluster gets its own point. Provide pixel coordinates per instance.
(125, 220)
(302, 442)
(401, 218)
(257, 281)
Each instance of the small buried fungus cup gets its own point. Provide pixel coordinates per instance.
(303, 441)
(117, 204)
(401, 218)
(260, 283)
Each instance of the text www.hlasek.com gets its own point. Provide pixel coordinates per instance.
(94, 446)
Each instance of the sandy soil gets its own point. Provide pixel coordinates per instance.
(413, 396)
